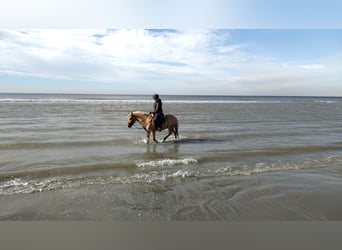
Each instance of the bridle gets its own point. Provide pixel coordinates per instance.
(133, 124)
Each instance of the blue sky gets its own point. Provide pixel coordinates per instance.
(184, 14)
(61, 52)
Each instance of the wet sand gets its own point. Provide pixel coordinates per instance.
(311, 194)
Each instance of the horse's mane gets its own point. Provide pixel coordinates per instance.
(140, 113)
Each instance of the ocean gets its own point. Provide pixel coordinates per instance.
(73, 157)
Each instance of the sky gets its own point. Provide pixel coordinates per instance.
(214, 47)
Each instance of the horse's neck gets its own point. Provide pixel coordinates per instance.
(141, 118)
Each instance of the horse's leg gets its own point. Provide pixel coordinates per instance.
(175, 131)
(148, 137)
(154, 136)
(170, 132)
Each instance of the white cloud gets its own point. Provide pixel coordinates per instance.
(191, 61)
(312, 66)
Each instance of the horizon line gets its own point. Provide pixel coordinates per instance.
(123, 94)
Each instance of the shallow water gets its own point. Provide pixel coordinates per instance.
(64, 143)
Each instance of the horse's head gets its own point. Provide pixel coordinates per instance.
(131, 119)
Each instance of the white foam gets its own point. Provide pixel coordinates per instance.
(166, 162)
(219, 101)
(162, 170)
(14, 182)
(161, 176)
(21, 186)
(90, 101)
(151, 177)
(181, 173)
(139, 141)
(327, 102)
(335, 159)
(259, 168)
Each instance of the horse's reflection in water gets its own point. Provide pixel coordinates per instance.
(167, 148)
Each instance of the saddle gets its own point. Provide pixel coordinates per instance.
(158, 119)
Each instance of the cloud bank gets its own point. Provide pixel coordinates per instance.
(172, 61)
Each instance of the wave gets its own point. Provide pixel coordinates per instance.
(221, 101)
(245, 170)
(20, 184)
(266, 152)
(166, 162)
(90, 98)
(325, 101)
(25, 186)
(68, 101)
(134, 101)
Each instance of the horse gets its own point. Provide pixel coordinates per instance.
(146, 121)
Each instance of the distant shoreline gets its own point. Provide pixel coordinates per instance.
(178, 95)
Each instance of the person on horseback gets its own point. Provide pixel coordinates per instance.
(158, 116)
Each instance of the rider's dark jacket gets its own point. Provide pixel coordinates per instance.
(158, 106)
(158, 112)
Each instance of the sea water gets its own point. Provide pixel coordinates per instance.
(66, 142)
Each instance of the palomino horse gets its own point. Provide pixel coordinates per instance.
(146, 121)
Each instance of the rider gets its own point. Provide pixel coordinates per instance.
(158, 116)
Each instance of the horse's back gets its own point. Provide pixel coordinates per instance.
(171, 119)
